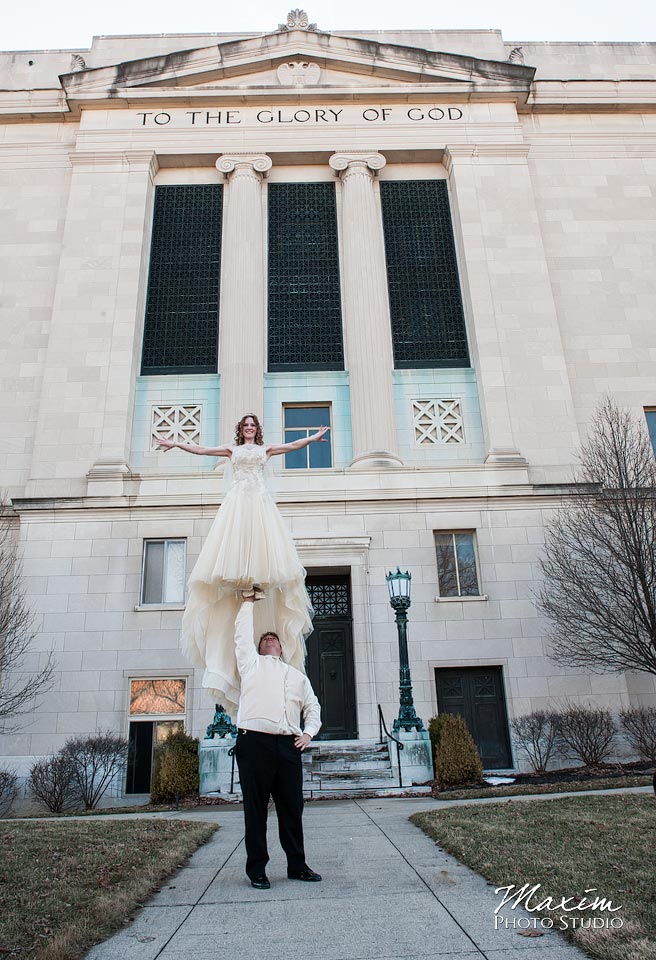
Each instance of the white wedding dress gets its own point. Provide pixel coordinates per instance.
(248, 543)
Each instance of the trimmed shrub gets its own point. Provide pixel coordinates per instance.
(587, 732)
(434, 726)
(96, 760)
(175, 772)
(536, 734)
(8, 791)
(639, 724)
(458, 761)
(51, 782)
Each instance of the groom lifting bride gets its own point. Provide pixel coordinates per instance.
(249, 543)
(270, 741)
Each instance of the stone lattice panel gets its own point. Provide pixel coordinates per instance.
(179, 422)
(437, 421)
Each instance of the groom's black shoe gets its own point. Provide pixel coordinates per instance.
(306, 874)
(261, 882)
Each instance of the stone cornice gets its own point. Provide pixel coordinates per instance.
(133, 160)
(507, 152)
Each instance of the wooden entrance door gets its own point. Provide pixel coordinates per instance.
(476, 694)
(330, 656)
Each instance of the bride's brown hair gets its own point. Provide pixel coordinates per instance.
(239, 437)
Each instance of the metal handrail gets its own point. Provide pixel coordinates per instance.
(231, 753)
(399, 746)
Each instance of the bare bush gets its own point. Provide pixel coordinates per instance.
(95, 760)
(536, 734)
(587, 732)
(51, 782)
(639, 724)
(8, 791)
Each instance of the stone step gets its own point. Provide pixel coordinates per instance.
(364, 756)
(335, 793)
(316, 767)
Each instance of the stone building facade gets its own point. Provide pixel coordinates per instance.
(469, 226)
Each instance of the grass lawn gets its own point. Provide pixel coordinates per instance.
(66, 885)
(566, 845)
(522, 789)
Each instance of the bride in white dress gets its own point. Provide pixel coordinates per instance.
(248, 543)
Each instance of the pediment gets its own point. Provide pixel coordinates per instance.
(296, 61)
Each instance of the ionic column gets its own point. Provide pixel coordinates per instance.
(242, 319)
(367, 332)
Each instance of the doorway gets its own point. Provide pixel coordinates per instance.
(477, 695)
(330, 655)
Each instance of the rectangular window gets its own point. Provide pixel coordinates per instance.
(182, 304)
(456, 565)
(428, 324)
(650, 416)
(300, 422)
(155, 698)
(304, 301)
(163, 572)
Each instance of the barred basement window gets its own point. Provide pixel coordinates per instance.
(182, 305)
(428, 325)
(305, 316)
(163, 572)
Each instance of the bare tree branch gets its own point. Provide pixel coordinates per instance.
(18, 686)
(599, 565)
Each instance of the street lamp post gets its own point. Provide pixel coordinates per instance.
(398, 585)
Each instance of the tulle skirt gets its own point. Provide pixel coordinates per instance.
(248, 543)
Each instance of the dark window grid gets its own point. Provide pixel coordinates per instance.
(304, 300)
(428, 327)
(182, 304)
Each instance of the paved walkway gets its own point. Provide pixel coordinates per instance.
(388, 893)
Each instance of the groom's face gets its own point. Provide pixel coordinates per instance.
(270, 646)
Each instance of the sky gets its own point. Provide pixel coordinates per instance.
(44, 25)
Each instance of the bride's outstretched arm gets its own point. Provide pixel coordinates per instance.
(194, 448)
(318, 437)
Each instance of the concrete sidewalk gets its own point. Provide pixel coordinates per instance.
(388, 892)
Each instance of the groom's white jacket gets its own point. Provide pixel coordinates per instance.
(273, 694)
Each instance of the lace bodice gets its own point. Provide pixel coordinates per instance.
(248, 462)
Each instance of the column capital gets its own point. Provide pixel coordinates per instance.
(357, 162)
(255, 165)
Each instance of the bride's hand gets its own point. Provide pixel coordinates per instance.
(320, 435)
(165, 445)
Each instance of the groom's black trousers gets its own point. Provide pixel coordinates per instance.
(271, 766)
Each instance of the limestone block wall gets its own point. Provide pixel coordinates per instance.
(189, 399)
(455, 443)
(83, 576)
(597, 221)
(34, 181)
(312, 387)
